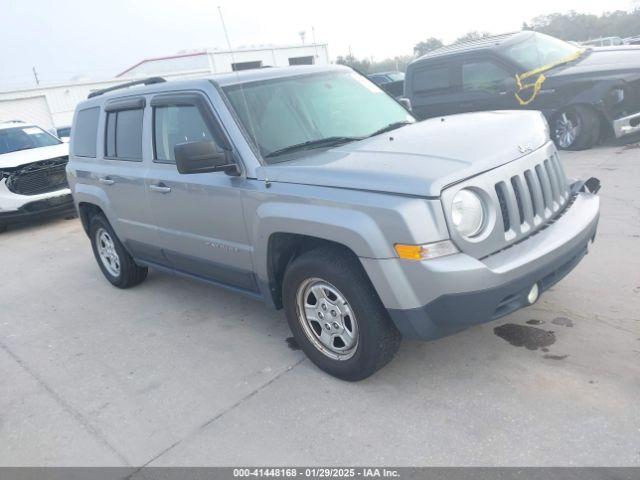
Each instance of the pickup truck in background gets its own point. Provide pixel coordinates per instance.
(585, 93)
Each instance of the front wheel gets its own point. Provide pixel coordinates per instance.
(576, 128)
(336, 316)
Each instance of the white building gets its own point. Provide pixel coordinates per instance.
(53, 106)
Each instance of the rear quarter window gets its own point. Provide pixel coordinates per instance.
(86, 132)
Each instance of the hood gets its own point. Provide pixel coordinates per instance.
(419, 159)
(603, 60)
(22, 157)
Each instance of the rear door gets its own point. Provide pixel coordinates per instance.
(486, 84)
(199, 216)
(121, 174)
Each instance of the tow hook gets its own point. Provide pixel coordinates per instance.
(590, 186)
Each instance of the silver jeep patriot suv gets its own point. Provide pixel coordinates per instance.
(313, 190)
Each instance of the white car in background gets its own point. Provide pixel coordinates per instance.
(33, 180)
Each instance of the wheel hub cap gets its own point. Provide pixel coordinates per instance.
(327, 319)
(107, 252)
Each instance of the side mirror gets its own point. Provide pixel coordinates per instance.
(405, 102)
(204, 157)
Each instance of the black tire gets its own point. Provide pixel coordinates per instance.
(587, 123)
(377, 338)
(129, 274)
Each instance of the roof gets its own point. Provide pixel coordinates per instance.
(259, 74)
(486, 43)
(14, 123)
(223, 80)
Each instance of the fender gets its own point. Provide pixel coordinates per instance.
(344, 226)
(84, 193)
(593, 94)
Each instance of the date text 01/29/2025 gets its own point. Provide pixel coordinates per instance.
(316, 472)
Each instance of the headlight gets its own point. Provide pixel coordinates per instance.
(467, 213)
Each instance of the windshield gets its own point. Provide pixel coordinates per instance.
(281, 113)
(24, 138)
(539, 50)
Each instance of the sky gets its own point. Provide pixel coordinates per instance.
(99, 38)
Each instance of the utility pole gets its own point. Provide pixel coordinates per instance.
(315, 44)
(35, 75)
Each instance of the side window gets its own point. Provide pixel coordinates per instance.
(432, 79)
(175, 124)
(301, 60)
(123, 139)
(484, 76)
(86, 132)
(246, 65)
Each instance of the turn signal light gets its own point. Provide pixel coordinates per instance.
(426, 251)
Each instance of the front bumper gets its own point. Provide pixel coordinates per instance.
(16, 208)
(626, 125)
(38, 209)
(435, 298)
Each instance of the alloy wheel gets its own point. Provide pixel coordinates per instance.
(567, 129)
(107, 252)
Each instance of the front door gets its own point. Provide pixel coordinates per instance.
(486, 85)
(200, 220)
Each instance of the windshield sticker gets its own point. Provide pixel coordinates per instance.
(32, 131)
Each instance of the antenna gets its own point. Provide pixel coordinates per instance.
(244, 98)
(226, 34)
(315, 44)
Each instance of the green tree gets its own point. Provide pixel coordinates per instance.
(391, 64)
(582, 26)
(362, 66)
(473, 35)
(427, 46)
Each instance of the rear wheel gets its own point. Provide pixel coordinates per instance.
(576, 128)
(115, 262)
(336, 316)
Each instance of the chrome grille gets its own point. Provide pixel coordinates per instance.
(532, 197)
(522, 197)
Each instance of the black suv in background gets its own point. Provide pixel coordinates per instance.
(585, 93)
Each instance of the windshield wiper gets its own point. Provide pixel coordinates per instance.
(310, 144)
(391, 126)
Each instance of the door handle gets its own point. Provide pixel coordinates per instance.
(160, 188)
(106, 181)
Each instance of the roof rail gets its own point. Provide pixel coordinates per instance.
(146, 81)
